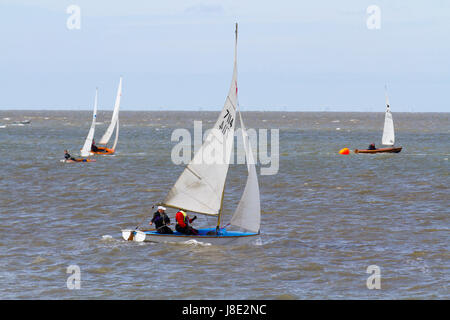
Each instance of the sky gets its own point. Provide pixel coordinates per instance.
(178, 55)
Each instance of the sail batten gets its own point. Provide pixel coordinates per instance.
(85, 151)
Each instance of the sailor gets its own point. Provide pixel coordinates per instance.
(161, 221)
(67, 156)
(372, 146)
(183, 222)
(94, 147)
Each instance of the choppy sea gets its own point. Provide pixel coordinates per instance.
(326, 217)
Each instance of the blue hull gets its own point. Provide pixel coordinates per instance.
(204, 233)
(224, 236)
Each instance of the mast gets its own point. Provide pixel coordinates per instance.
(200, 187)
(386, 95)
(235, 72)
(220, 213)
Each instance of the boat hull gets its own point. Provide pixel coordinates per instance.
(78, 160)
(225, 237)
(382, 150)
(103, 150)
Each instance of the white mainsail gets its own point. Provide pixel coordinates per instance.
(117, 136)
(248, 211)
(388, 130)
(200, 187)
(86, 150)
(115, 117)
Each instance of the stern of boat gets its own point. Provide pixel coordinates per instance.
(133, 235)
(104, 151)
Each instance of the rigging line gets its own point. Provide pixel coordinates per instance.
(232, 104)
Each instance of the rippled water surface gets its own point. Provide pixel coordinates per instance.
(325, 217)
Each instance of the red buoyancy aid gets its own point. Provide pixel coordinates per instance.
(182, 218)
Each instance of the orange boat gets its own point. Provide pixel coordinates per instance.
(114, 125)
(381, 150)
(89, 147)
(103, 150)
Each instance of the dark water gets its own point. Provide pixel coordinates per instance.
(325, 217)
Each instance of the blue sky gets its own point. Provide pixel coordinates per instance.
(292, 55)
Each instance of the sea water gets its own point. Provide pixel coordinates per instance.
(325, 217)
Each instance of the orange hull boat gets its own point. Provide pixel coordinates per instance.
(385, 150)
(103, 150)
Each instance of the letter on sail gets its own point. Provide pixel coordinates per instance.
(86, 150)
(200, 187)
(248, 211)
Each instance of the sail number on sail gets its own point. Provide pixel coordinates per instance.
(226, 124)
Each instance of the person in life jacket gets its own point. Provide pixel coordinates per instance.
(161, 221)
(67, 156)
(372, 147)
(183, 222)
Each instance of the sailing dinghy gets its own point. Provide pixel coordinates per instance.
(388, 137)
(113, 125)
(77, 160)
(85, 151)
(200, 187)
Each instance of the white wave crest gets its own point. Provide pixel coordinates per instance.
(196, 243)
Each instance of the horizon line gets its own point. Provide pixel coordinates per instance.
(213, 109)
(201, 109)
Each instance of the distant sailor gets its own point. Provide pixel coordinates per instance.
(67, 156)
(183, 222)
(94, 147)
(161, 221)
(372, 147)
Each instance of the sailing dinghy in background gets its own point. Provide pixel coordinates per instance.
(113, 125)
(388, 137)
(85, 151)
(200, 187)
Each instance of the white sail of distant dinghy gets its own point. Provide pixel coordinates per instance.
(117, 136)
(114, 125)
(115, 116)
(388, 130)
(86, 150)
(114, 119)
(200, 187)
(248, 211)
(388, 138)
